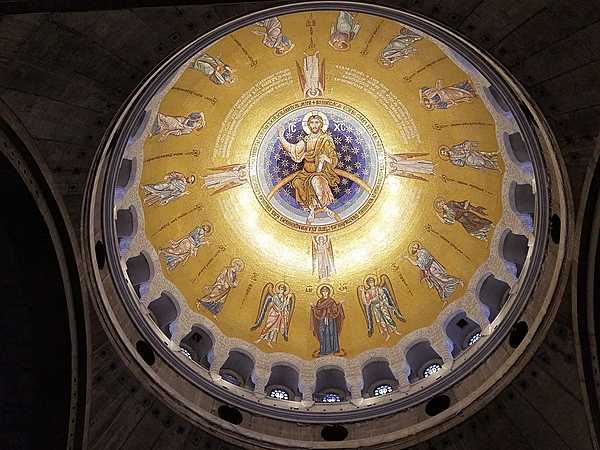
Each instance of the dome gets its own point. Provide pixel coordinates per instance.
(326, 215)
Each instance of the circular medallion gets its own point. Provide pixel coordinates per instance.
(317, 165)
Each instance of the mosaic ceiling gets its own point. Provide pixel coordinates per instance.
(324, 184)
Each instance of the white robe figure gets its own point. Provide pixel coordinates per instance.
(166, 126)
(226, 177)
(399, 47)
(173, 187)
(273, 37)
(434, 273)
(312, 76)
(343, 31)
(179, 251)
(216, 70)
(322, 256)
(404, 165)
(467, 154)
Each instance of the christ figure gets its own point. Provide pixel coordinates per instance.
(312, 184)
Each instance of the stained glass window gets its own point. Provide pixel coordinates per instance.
(279, 394)
(382, 389)
(186, 353)
(331, 397)
(474, 339)
(431, 369)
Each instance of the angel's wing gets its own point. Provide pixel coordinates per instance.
(228, 167)
(322, 74)
(409, 155)
(386, 284)
(301, 76)
(405, 174)
(227, 186)
(366, 309)
(288, 315)
(266, 297)
(315, 262)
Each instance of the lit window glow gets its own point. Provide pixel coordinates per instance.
(431, 369)
(331, 397)
(279, 394)
(474, 338)
(186, 353)
(382, 390)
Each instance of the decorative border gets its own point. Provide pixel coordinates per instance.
(115, 143)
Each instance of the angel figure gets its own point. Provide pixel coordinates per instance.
(216, 70)
(179, 251)
(273, 38)
(435, 275)
(343, 31)
(378, 303)
(399, 47)
(174, 186)
(216, 293)
(326, 320)
(277, 305)
(405, 165)
(322, 256)
(465, 213)
(166, 126)
(312, 76)
(467, 154)
(226, 177)
(440, 97)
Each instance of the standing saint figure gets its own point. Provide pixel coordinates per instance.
(277, 305)
(465, 213)
(399, 47)
(226, 177)
(467, 154)
(378, 303)
(216, 70)
(343, 31)
(326, 319)
(312, 76)
(312, 184)
(440, 97)
(166, 126)
(322, 256)
(273, 38)
(405, 165)
(433, 272)
(173, 187)
(179, 251)
(216, 293)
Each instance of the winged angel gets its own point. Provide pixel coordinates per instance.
(378, 302)
(276, 308)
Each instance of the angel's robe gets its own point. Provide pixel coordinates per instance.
(312, 76)
(276, 317)
(312, 184)
(399, 47)
(382, 309)
(221, 179)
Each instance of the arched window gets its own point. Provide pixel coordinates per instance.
(238, 369)
(284, 378)
(375, 374)
(493, 293)
(382, 389)
(279, 394)
(330, 397)
(198, 344)
(431, 369)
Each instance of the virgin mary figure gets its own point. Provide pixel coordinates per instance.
(327, 317)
